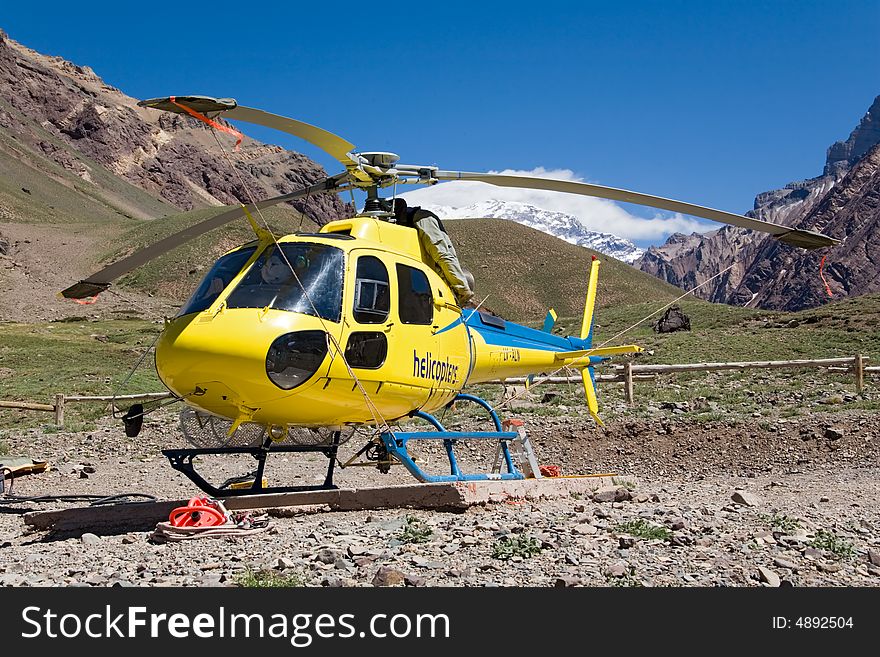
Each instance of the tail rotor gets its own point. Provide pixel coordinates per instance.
(587, 374)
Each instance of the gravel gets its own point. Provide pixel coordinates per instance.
(733, 516)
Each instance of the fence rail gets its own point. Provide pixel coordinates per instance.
(626, 374)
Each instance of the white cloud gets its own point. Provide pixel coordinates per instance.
(596, 214)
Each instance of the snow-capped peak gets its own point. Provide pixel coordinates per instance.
(564, 226)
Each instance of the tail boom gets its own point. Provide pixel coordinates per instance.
(502, 349)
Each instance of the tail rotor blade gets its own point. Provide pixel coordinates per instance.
(807, 239)
(590, 304)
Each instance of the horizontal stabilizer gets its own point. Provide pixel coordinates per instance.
(599, 351)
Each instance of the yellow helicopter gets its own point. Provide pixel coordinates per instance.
(289, 342)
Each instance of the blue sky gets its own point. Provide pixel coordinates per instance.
(709, 102)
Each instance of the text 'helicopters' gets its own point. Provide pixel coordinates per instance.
(288, 340)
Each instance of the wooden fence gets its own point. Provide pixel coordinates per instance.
(626, 374)
(630, 372)
(62, 400)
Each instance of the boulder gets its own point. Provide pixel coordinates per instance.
(673, 320)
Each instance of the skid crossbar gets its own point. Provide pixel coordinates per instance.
(396, 444)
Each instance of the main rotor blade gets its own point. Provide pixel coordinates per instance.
(807, 239)
(333, 145)
(101, 280)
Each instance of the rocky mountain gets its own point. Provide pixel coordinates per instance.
(789, 279)
(53, 112)
(767, 274)
(564, 226)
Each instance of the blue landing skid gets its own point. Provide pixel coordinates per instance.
(396, 442)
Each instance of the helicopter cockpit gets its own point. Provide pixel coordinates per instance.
(298, 277)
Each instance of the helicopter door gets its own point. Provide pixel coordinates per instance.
(412, 350)
(430, 346)
(366, 346)
(371, 343)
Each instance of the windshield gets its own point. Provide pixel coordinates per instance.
(316, 285)
(216, 280)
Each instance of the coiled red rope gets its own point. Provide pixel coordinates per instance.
(199, 512)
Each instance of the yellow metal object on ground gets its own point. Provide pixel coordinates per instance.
(238, 485)
(22, 465)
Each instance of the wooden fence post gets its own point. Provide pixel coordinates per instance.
(628, 382)
(859, 367)
(59, 410)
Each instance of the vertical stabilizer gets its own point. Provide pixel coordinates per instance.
(587, 325)
(549, 321)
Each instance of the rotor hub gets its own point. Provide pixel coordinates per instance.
(380, 160)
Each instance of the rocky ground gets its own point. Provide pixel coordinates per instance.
(710, 504)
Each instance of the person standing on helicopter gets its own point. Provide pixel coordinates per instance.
(439, 247)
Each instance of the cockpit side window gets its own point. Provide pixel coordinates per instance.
(371, 292)
(297, 276)
(216, 280)
(416, 304)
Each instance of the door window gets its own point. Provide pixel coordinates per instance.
(371, 291)
(366, 349)
(415, 299)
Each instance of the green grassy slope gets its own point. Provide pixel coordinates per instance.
(81, 357)
(525, 272)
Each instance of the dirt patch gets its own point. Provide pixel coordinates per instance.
(42, 260)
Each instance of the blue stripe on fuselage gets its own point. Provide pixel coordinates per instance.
(449, 327)
(517, 335)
